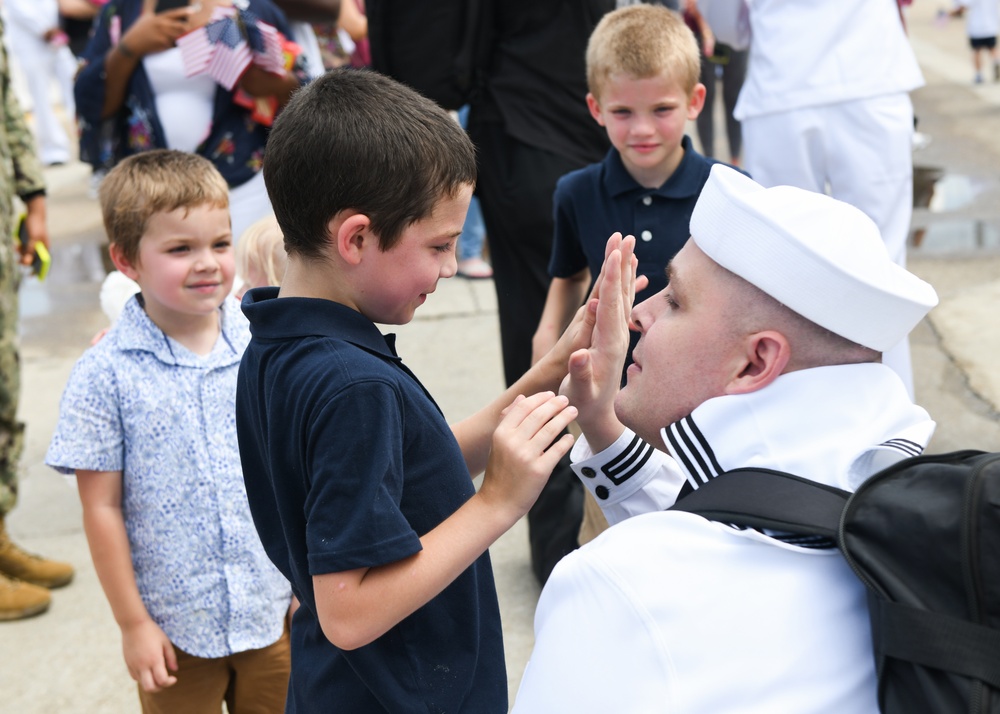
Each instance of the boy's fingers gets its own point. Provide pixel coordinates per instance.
(160, 676)
(555, 452)
(611, 293)
(553, 427)
(613, 245)
(535, 421)
(517, 400)
(171, 657)
(523, 406)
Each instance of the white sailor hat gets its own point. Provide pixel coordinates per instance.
(820, 257)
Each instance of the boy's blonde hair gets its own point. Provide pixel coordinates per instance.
(262, 246)
(643, 41)
(157, 181)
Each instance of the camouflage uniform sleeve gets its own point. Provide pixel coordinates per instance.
(27, 169)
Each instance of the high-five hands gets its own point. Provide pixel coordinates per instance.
(595, 369)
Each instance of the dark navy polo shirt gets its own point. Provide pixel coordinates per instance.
(600, 199)
(348, 462)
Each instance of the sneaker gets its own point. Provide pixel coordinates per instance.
(19, 600)
(19, 564)
(474, 269)
(978, 78)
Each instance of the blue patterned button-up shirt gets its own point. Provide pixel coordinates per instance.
(141, 403)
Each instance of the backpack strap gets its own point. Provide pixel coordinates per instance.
(764, 498)
(936, 640)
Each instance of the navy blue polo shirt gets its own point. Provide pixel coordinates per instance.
(348, 462)
(598, 200)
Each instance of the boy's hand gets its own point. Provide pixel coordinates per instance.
(595, 372)
(148, 656)
(523, 453)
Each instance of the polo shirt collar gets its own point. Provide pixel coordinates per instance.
(285, 318)
(138, 332)
(686, 181)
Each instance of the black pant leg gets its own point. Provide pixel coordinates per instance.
(515, 187)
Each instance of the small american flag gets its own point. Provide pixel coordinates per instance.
(226, 46)
(272, 58)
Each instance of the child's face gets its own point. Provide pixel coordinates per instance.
(645, 119)
(185, 264)
(401, 279)
(255, 278)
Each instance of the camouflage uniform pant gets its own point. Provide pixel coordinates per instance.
(11, 430)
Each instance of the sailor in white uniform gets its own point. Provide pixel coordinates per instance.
(763, 351)
(825, 106)
(39, 48)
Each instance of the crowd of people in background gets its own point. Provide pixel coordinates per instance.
(391, 144)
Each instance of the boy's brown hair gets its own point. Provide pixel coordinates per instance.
(357, 140)
(158, 181)
(642, 41)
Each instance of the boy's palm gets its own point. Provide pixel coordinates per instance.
(149, 655)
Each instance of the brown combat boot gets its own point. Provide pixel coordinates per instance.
(19, 600)
(33, 569)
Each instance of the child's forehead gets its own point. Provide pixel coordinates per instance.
(202, 215)
(622, 81)
(446, 217)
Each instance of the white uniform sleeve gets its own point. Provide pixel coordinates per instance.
(596, 650)
(34, 16)
(628, 478)
(729, 20)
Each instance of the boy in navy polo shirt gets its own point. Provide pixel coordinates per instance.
(359, 488)
(643, 66)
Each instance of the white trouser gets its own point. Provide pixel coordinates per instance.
(859, 152)
(41, 63)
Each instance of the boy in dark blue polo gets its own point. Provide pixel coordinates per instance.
(643, 66)
(358, 487)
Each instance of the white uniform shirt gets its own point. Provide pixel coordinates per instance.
(668, 612)
(811, 52)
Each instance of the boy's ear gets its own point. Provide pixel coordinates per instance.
(351, 232)
(697, 101)
(595, 108)
(123, 264)
(766, 355)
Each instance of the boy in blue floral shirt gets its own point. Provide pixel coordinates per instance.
(147, 424)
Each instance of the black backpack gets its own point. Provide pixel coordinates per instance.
(924, 538)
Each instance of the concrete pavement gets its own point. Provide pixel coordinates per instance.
(69, 659)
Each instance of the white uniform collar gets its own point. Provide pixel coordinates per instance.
(836, 425)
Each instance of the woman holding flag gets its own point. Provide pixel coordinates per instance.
(205, 77)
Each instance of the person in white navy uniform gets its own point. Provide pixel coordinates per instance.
(763, 350)
(826, 106)
(41, 50)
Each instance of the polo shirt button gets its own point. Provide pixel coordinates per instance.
(647, 200)
(646, 236)
(602, 492)
(588, 472)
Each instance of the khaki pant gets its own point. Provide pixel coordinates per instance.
(594, 523)
(251, 682)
